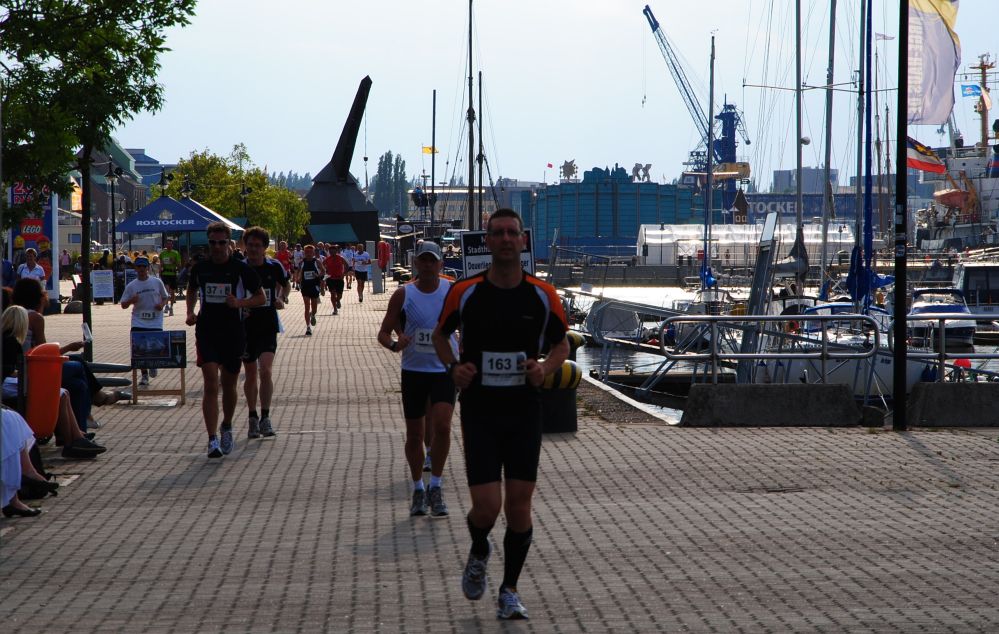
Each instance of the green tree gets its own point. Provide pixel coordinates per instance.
(95, 62)
(217, 182)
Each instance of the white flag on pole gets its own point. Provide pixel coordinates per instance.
(934, 57)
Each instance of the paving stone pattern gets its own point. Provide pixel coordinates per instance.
(639, 527)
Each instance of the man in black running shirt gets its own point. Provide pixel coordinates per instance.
(262, 326)
(225, 286)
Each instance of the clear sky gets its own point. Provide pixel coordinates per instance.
(564, 80)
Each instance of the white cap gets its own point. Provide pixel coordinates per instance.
(430, 247)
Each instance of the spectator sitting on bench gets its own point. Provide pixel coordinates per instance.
(75, 443)
(84, 389)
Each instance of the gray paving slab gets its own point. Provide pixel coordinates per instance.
(639, 527)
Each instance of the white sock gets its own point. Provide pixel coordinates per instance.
(418, 485)
(435, 481)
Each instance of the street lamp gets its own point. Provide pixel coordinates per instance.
(188, 187)
(243, 193)
(112, 177)
(164, 181)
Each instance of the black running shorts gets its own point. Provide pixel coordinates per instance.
(169, 280)
(225, 349)
(501, 445)
(310, 291)
(417, 387)
(259, 341)
(335, 285)
(361, 276)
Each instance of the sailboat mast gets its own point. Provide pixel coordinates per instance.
(482, 149)
(799, 192)
(433, 161)
(709, 194)
(471, 129)
(861, 89)
(868, 156)
(827, 209)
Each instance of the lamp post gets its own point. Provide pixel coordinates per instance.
(112, 177)
(188, 187)
(244, 192)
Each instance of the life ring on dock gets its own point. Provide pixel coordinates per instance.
(792, 327)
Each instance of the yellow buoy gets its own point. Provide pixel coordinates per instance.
(565, 378)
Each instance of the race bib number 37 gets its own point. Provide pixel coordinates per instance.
(216, 293)
(503, 369)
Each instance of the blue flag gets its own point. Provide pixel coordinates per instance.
(971, 90)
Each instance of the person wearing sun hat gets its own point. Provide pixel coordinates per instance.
(147, 296)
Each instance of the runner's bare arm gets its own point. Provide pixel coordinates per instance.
(390, 323)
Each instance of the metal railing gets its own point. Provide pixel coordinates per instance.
(824, 353)
(938, 335)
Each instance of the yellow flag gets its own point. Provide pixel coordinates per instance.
(429, 149)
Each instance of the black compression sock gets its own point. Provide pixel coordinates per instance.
(265, 413)
(480, 539)
(515, 547)
(253, 413)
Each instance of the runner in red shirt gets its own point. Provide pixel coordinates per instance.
(283, 256)
(336, 269)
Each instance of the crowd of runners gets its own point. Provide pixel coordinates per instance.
(487, 340)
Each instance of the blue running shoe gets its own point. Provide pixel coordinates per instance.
(227, 442)
(473, 579)
(510, 608)
(213, 448)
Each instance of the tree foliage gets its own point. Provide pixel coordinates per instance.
(389, 187)
(218, 182)
(73, 70)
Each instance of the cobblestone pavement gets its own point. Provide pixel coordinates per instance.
(640, 527)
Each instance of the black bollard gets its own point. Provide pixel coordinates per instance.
(558, 399)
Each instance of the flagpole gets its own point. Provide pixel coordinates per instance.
(899, 422)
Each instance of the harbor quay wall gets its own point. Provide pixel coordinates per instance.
(783, 405)
(954, 405)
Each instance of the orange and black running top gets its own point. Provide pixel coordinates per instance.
(500, 328)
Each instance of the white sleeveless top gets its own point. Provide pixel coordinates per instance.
(420, 312)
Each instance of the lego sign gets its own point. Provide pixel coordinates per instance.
(38, 233)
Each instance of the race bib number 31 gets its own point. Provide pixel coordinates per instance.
(421, 339)
(216, 293)
(503, 369)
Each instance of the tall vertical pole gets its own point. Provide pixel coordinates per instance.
(899, 422)
(827, 209)
(861, 90)
(709, 201)
(482, 155)
(799, 192)
(471, 129)
(433, 162)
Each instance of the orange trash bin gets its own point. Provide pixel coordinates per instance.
(44, 379)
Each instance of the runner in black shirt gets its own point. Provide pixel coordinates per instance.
(310, 281)
(262, 326)
(507, 319)
(225, 286)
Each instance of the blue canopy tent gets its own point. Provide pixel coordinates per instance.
(169, 215)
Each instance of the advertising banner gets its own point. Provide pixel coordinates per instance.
(159, 349)
(40, 233)
(475, 255)
(102, 283)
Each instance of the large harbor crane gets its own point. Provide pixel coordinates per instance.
(724, 150)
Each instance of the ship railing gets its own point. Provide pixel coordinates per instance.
(942, 355)
(824, 351)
